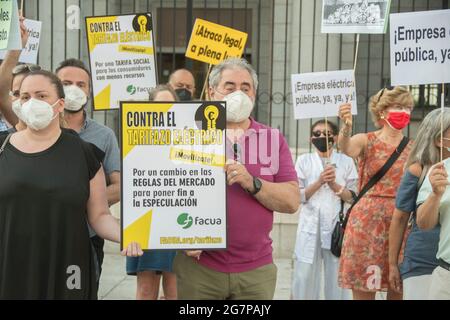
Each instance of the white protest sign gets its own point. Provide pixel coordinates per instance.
(173, 179)
(420, 47)
(355, 16)
(9, 25)
(319, 94)
(30, 52)
(121, 57)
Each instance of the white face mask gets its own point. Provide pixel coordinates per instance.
(17, 108)
(75, 98)
(239, 106)
(37, 114)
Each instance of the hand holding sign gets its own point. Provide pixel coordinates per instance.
(345, 114)
(23, 31)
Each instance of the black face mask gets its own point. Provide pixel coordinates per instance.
(321, 143)
(183, 94)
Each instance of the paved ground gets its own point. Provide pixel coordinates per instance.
(115, 284)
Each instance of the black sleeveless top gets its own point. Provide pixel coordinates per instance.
(45, 251)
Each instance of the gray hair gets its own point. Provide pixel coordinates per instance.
(424, 150)
(231, 63)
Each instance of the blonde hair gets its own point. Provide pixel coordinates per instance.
(386, 98)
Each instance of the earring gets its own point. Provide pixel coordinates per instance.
(382, 117)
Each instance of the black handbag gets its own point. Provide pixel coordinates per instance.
(337, 236)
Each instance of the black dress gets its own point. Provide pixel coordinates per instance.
(45, 251)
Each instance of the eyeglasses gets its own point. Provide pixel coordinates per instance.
(25, 68)
(382, 92)
(318, 133)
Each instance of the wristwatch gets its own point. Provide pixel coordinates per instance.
(257, 184)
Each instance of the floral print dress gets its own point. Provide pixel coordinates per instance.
(364, 259)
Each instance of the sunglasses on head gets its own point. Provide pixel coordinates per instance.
(318, 133)
(25, 68)
(382, 92)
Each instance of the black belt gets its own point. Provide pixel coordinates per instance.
(444, 264)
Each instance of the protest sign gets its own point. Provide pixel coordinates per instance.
(319, 94)
(355, 16)
(122, 58)
(420, 47)
(173, 179)
(30, 52)
(213, 43)
(9, 26)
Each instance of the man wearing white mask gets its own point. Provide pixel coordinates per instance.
(261, 179)
(76, 80)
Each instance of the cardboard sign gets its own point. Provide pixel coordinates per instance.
(420, 47)
(30, 52)
(355, 16)
(319, 94)
(9, 26)
(122, 58)
(212, 43)
(173, 179)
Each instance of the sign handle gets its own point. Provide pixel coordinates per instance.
(21, 8)
(206, 82)
(442, 119)
(355, 59)
(356, 53)
(326, 137)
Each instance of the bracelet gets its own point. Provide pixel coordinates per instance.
(340, 191)
(346, 132)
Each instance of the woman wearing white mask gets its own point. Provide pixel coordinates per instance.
(11, 75)
(364, 263)
(51, 183)
(326, 179)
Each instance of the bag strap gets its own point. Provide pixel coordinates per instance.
(341, 212)
(422, 177)
(380, 173)
(5, 142)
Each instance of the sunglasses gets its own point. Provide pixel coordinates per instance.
(318, 133)
(25, 68)
(382, 92)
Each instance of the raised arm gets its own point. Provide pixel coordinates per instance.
(352, 146)
(6, 68)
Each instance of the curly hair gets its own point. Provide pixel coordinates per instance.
(388, 97)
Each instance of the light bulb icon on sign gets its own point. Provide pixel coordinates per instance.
(142, 21)
(211, 114)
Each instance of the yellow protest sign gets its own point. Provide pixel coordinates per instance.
(213, 43)
(172, 179)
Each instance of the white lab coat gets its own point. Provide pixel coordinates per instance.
(321, 211)
(318, 217)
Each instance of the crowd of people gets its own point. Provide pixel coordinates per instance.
(61, 172)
